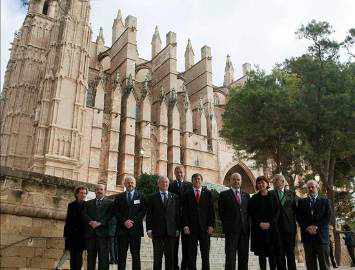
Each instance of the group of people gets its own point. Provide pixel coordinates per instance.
(183, 211)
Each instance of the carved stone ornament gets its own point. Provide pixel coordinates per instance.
(129, 84)
(162, 93)
(116, 81)
(211, 110)
(200, 105)
(186, 101)
(172, 96)
(145, 88)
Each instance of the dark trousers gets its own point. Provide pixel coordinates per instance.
(234, 242)
(287, 253)
(351, 254)
(98, 247)
(163, 246)
(272, 262)
(134, 243)
(203, 239)
(113, 250)
(185, 252)
(316, 252)
(76, 259)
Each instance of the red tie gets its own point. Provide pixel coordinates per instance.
(197, 195)
(237, 197)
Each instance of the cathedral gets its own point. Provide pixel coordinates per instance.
(79, 109)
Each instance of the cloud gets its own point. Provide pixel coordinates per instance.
(256, 31)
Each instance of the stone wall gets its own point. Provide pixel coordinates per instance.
(33, 205)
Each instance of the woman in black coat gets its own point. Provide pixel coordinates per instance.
(74, 229)
(263, 210)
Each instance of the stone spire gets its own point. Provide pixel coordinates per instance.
(228, 72)
(156, 42)
(100, 37)
(117, 27)
(189, 55)
(100, 40)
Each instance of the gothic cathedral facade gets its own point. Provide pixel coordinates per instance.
(75, 108)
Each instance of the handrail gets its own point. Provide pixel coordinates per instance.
(31, 238)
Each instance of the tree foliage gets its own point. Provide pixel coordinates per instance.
(260, 120)
(301, 116)
(147, 184)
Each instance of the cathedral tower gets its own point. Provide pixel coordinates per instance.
(60, 108)
(21, 88)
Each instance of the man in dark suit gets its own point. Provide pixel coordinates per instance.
(313, 216)
(96, 214)
(198, 220)
(286, 222)
(232, 208)
(129, 209)
(179, 186)
(74, 229)
(163, 223)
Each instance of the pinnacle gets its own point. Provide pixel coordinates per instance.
(189, 47)
(156, 31)
(228, 61)
(156, 35)
(189, 43)
(119, 14)
(101, 34)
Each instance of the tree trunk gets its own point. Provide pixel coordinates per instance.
(330, 194)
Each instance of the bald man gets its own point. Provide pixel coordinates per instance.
(313, 216)
(97, 214)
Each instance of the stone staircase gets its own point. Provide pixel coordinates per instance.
(217, 256)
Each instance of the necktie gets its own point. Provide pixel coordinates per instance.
(98, 202)
(130, 197)
(165, 198)
(197, 195)
(237, 197)
(282, 197)
(313, 201)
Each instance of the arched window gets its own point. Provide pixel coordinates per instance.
(45, 8)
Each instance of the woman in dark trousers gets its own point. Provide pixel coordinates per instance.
(74, 229)
(264, 210)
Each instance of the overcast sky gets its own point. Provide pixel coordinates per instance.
(260, 32)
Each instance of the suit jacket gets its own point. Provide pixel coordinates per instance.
(134, 210)
(74, 228)
(198, 216)
(234, 217)
(163, 219)
(318, 215)
(287, 212)
(102, 214)
(174, 188)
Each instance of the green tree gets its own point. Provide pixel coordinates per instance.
(147, 184)
(301, 116)
(260, 121)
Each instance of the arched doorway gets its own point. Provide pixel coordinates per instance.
(248, 179)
